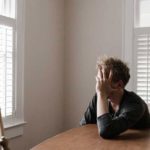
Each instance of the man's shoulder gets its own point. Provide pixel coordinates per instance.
(132, 101)
(132, 97)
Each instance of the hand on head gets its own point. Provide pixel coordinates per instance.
(104, 83)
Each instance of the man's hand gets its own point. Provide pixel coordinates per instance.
(103, 84)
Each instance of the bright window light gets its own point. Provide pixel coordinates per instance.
(7, 8)
(6, 70)
(145, 13)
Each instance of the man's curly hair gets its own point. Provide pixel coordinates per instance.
(120, 70)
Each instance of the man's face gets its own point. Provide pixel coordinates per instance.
(118, 87)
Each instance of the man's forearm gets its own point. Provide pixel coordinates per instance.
(102, 105)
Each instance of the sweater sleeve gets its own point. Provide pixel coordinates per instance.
(90, 116)
(110, 127)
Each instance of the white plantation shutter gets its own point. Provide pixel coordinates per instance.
(142, 55)
(6, 70)
(142, 48)
(7, 55)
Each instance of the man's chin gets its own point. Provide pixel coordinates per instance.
(110, 98)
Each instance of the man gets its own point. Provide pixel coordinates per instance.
(113, 108)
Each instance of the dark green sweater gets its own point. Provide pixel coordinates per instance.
(133, 113)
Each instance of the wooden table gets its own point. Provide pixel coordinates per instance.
(87, 138)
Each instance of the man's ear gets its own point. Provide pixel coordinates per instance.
(120, 84)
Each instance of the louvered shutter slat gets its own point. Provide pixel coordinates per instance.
(6, 70)
(142, 51)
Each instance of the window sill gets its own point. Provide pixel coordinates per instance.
(14, 130)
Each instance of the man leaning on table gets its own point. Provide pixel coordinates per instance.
(113, 108)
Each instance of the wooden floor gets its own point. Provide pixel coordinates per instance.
(87, 138)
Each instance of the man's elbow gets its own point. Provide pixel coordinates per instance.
(106, 134)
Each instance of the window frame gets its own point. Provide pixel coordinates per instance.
(14, 126)
(127, 39)
(129, 25)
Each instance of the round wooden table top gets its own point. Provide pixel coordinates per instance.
(87, 138)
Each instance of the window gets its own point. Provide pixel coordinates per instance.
(137, 45)
(7, 49)
(11, 61)
(142, 47)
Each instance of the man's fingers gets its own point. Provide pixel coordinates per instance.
(110, 76)
(104, 74)
(97, 78)
(100, 73)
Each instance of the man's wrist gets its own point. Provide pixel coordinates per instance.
(101, 95)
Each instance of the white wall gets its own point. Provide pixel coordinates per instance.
(44, 72)
(92, 28)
